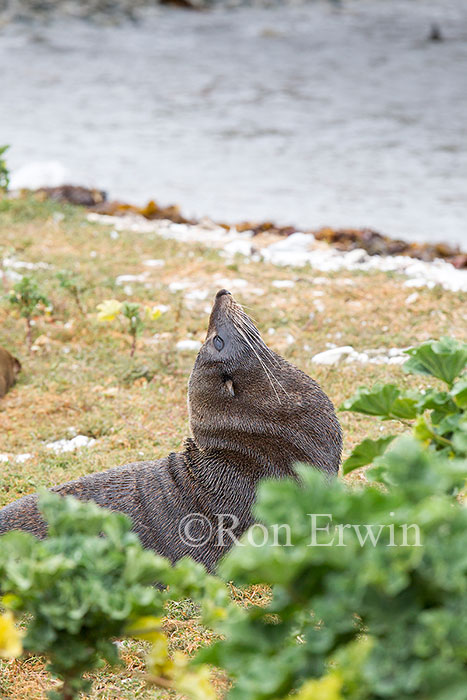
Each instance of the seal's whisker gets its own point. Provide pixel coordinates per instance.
(256, 338)
(264, 348)
(266, 371)
(248, 330)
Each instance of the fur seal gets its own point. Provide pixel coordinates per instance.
(252, 415)
(10, 367)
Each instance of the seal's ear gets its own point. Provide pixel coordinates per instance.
(228, 383)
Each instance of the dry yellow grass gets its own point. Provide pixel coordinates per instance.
(82, 376)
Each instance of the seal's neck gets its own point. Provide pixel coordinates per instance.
(247, 460)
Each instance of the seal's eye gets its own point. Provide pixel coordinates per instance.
(218, 342)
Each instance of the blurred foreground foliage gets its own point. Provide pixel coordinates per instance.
(366, 607)
(368, 585)
(88, 583)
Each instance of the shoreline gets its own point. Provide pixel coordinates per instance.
(345, 240)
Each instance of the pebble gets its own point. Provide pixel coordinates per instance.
(25, 457)
(412, 298)
(283, 284)
(11, 263)
(333, 356)
(375, 356)
(188, 345)
(178, 286)
(154, 263)
(197, 295)
(299, 250)
(123, 279)
(75, 443)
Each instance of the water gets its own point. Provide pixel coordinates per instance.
(307, 115)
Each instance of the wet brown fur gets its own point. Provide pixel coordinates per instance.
(10, 367)
(252, 415)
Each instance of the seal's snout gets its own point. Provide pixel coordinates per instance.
(221, 293)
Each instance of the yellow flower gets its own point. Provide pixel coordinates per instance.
(109, 309)
(10, 637)
(147, 628)
(175, 672)
(326, 688)
(152, 313)
(196, 684)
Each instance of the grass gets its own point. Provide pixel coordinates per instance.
(81, 377)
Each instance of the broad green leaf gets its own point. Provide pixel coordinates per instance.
(405, 407)
(459, 441)
(459, 392)
(439, 401)
(422, 430)
(444, 359)
(373, 402)
(365, 453)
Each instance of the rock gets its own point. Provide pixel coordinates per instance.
(197, 295)
(333, 356)
(154, 263)
(283, 284)
(240, 246)
(73, 194)
(178, 286)
(188, 345)
(75, 443)
(25, 457)
(123, 279)
(412, 298)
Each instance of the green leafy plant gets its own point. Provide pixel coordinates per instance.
(4, 171)
(111, 309)
(30, 301)
(89, 582)
(74, 285)
(372, 609)
(438, 417)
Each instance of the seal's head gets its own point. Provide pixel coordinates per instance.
(246, 401)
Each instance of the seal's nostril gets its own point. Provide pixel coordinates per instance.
(221, 293)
